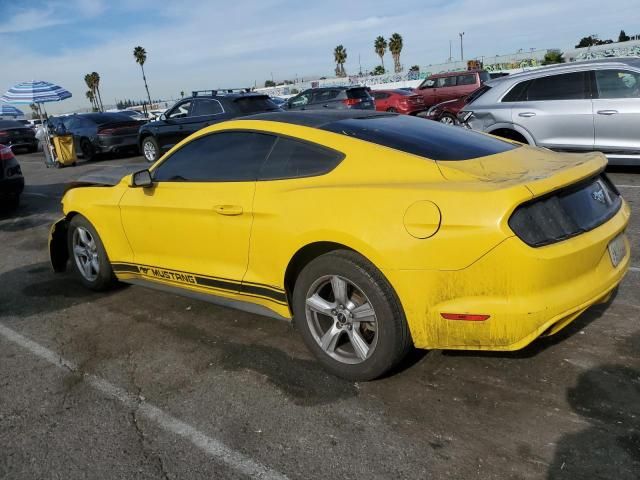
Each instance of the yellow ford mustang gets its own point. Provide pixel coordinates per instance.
(374, 232)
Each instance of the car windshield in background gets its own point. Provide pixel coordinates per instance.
(476, 94)
(358, 93)
(102, 118)
(255, 104)
(426, 139)
(484, 76)
(10, 124)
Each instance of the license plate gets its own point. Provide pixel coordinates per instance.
(617, 250)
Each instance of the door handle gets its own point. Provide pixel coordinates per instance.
(527, 114)
(607, 112)
(228, 209)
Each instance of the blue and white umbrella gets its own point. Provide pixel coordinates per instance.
(35, 92)
(9, 111)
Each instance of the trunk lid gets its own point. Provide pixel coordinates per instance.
(540, 171)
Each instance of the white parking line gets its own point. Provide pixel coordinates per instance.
(634, 269)
(628, 186)
(35, 194)
(212, 447)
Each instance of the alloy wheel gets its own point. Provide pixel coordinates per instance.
(85, 253)
(149, 151)
(447, 120)
(341, 319)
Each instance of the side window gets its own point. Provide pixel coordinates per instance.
(517, 93)
(293, 159)
(325, 96)
(469, 79)
(446, 82)
(380, 95)
(618, 84)
(300, 100)
(568, 86)
(219, 157)
(180, 111)
(206, 107)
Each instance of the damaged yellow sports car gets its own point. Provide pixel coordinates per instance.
(375, 232)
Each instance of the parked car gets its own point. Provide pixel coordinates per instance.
(575, 107)
(134, 114)
(97, 133)
(203, 108)
(333, 98)
(17, 136)
(271, 214)
(11, 179)
(447, 112)
(398, 100)
(450, 85)
(279, 101)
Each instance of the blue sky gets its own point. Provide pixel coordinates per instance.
(207, 44)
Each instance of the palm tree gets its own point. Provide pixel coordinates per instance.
(89, 80)
(395, 47)
(340, 56)
(140, 54)
(181, 93)
(380, 46)
(95, 76)
(91, 98)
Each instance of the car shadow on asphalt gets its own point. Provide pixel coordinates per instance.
(541, 344)
(608, 398)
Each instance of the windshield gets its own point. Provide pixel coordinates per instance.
(358, 93)
(10, 124)
(419, 137)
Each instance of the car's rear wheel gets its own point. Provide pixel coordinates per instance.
(88, 256)
(392, 110)
(87, 149)
(150, 149)
(448, 119)
(349, 316)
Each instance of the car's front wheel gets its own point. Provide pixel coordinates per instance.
(448, 119)
(150, 149)
(88, 256)
(349, 316)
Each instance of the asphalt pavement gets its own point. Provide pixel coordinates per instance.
(137, 383)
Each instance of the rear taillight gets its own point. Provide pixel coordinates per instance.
(106, 131)
(5, 153)
(4, 133)
(351, 101)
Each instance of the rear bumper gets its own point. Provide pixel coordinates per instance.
(22, 143)
(526, 291)
(11, 186)
(116, 142)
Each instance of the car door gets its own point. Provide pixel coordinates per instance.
(556, 110)
(196, 218)
(328, 98)
(428, 91)
(465, 84)
(175, 125)
(616, 108)
(204, 112)
(445, 88)
(382, 100)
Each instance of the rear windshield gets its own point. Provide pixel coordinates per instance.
(10, 124)
(255, 104)
(357, 93)
(420, 137)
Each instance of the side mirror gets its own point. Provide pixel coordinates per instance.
(142, 179)
(162, 116)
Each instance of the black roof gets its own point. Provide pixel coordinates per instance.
(316, 118)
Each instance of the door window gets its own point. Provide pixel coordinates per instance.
(219, 157)
(568, 86)
(618, 84)
(300, 100)
(469, 79)
(292, 159)
(325, 96)
(446, 82)
(180, 111)
(207, 107)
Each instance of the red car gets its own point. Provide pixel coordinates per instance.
(398, 100)
(450, 85)
(447, 112)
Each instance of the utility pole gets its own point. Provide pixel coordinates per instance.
(360, 65)
(450, 55)
(461, 47)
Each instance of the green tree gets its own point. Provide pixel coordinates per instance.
(553, 56)
(95, 78)
(90, 81)
(415, 68)
(380, 47)
(269, 83)
(340, 57)
(395, 47)
(623, 37)
(92, 99)
(181, 93)
(379, 70)
(140, 54)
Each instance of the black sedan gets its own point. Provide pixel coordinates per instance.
(96, 133)
(18, 136)
(11, 179)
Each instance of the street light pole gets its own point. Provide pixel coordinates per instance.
(461, 47)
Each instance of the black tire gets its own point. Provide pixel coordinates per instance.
(13, 202)
(152, 145)
(392, 110)
(393, 336)
(87, 149)
(105, 277)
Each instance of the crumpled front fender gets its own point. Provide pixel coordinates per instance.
(58, 252)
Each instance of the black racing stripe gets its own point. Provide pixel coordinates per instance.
(124, 268)
(216, 283)
(264, 292)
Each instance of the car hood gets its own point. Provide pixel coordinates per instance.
(107, 177)
(539, 170)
